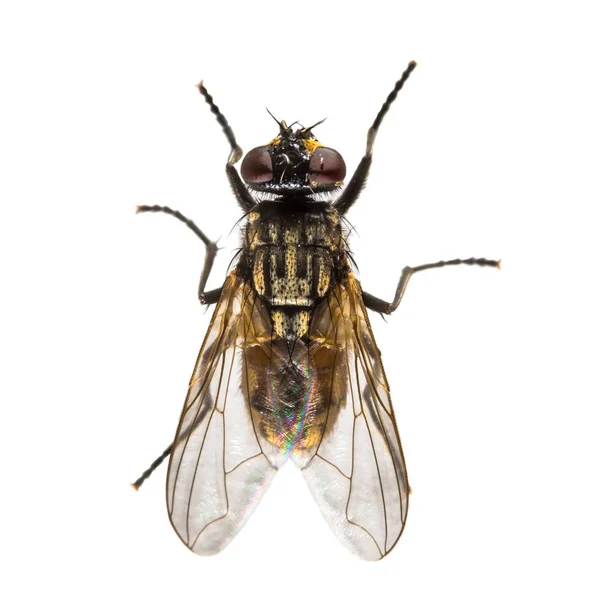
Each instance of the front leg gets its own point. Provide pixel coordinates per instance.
(357, 183)
(381, 306)
(242, 195)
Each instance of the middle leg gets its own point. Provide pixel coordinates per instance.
(209, 258)
(381, 306)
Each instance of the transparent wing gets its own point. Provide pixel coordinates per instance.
(218, 471)
(357, 474)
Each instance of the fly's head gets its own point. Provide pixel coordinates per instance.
(294, 163)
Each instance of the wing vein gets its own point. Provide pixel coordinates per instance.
(216, 344)
(377, 406)
(333, 465)
(245, 461)
(331, 383)
(362, 401)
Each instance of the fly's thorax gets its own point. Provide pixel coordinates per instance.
(295, 255)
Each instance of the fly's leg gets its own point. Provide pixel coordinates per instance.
(245, 200)
(209, 258)
(381, 306)
(242, 195)
(137, 484)
(357, 183)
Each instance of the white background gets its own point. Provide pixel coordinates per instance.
(490, 150)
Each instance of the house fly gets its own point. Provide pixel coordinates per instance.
(289, 368)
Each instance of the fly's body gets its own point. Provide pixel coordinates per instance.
(294, 254)
(289, 368)
(294, 257)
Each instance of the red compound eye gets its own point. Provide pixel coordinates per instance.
(326, 166)
(257, 166)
